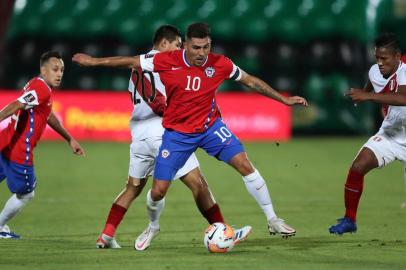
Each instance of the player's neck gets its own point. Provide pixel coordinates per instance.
(189, 61)
(155, 48)
(45, 81)
(393, 71)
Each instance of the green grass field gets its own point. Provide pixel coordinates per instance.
(305, 177)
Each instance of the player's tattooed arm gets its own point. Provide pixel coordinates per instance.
(10, 109)
(265, 89)
(115, 61)
(56, 125)
(396, 98)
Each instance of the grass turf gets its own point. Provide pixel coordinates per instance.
(305, 177)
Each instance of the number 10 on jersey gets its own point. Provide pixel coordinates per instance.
(193, 83)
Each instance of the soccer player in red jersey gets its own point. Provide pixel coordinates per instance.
(30, 114)
(192, 118)
(149, 99)
(386, 86)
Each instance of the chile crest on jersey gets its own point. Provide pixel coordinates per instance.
(209, 72)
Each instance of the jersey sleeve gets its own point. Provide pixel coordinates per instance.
(402, 77)
(232, 70)
(156, 62)
(371, 73)
(376, 79)
(34, 96)
(164, 61)
(147, 62)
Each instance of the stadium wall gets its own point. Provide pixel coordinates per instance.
(104, 116)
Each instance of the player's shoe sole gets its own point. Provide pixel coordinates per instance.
(284, 235)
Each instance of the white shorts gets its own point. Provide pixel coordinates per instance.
(386, 149)
(142, 158)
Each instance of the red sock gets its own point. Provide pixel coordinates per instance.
(213, 214)
(352, 193)
(114, 218)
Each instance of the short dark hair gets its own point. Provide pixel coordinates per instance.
(166, 31)
(388, 40)
(47, 55)
(198, 30)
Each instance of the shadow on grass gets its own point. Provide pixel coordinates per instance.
(328, 241)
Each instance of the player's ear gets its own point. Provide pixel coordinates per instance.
(398, 55)
(186, 44)
(164, 43)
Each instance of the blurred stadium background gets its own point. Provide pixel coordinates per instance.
(314, 48)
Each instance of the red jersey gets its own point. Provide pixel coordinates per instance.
(190, 90)
(18, 139)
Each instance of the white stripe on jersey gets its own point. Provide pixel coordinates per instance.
(236, 72)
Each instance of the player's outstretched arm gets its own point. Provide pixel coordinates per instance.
(397, 98)
(10, 109)
(264, 89)
(115, 61)
(368, 86)
(56, 125)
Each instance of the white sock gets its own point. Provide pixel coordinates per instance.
(154, 209)
(13, 206)
(256, 186)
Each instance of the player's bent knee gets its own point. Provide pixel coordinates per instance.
(241, 163)
(26, 197)
(365, 161)
(134, 187)
(360, 166)
(136, 182)
(245, 167)
(157, 193)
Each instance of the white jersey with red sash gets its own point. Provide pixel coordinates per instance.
(394, 123)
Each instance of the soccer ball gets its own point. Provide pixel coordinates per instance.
(219, 237)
